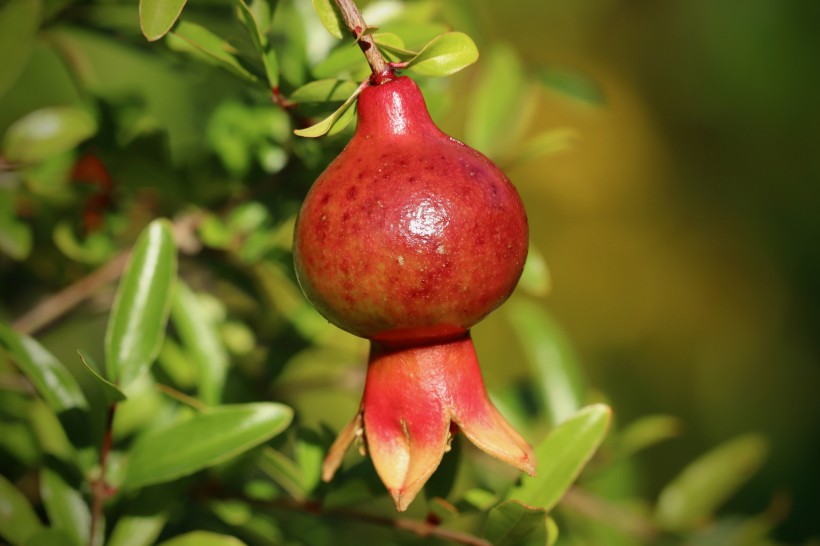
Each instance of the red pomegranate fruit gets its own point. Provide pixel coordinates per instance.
(409, 238)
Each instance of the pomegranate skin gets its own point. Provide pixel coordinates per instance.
(408, 235)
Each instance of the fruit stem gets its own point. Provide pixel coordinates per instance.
(354, 21)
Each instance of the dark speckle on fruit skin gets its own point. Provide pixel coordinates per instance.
(409, 234)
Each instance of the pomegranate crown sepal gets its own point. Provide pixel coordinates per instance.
(415, 400)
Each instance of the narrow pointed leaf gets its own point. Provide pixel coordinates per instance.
(549, 142)
(514, 524)
(212, 47)
(110, 391)
(574, 84)
(203, 538)
(65, 506)
(444, 55)
(139, 315)
(560, 385)
(271, 62)
(266, 55)
(324, 126)
(496, 117)
(329, 17)
(19, 22)
(562, 455)
(17, 518)
(342, 122)
(693, 496)
(204, 440)
(535, 279)
(47, 132)
(49, 432)
(249, 21)
(158, 16)
(647, 431)
(200, 336)
(50, 377)
(283, 471)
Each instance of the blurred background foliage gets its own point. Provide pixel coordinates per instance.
(666, 154)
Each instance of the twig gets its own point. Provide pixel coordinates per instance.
(57, 305)
(181, 397)
(100, 490)
(419, 528)
(354, 21)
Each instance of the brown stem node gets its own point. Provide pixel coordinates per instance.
(355, 23)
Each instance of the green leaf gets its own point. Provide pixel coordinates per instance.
(49, 432)
(95, 249)
(552, 532)
(51, 379)
(329, 17)
(267, 56)
(47, 132)
(444, 55)
(110, 391)
(549, 142)
(17, 518)
(331, 122)
(136, 327)
(573, 84)
(496, 105)
(65, 506)
(321, 91)
(709, 481)
(202, 441)
(19, 22)
(342, 122)
(562, 455)
(647, 431)
(535, 279)
(49, 537)
(203, 538)
(283, 471)
(393, 47)
(158, 16)
(513, 524)
(15, 236)
(211, 46)
(141, 530)
(271, 62)
(200, 336)
(310, 452)
(344, 59)
(144, 518)
(558, 374)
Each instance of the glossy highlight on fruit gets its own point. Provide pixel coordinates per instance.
(409, 238)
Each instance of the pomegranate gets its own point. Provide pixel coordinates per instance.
(409, 238)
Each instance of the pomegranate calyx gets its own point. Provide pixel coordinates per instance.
(415, 399)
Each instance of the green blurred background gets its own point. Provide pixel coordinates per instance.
(682, 229)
